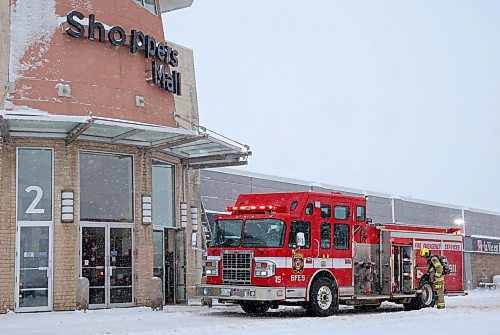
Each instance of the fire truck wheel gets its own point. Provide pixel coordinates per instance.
(254, 307)
(428, 297)
(323, 298)
(424, 300)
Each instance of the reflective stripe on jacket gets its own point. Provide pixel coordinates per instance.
(436, 267)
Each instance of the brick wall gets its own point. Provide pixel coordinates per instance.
(66, 235)
(143, 250)
(66, 242)
(4, 49)
(194, 267)
(7, 226)
(484, 265)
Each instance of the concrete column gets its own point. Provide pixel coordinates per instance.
(186, 104)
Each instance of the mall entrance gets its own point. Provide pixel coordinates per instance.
(106, 261)
(170, 263)
(34, 267)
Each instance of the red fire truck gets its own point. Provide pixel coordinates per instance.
(319, 250)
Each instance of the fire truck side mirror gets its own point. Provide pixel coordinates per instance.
(369, 220)
(300, 239)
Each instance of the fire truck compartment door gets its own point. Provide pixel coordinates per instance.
(295, 292)
(385, 262)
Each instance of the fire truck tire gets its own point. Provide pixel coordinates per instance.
(254, 307)
(424, 300)
(323, 297)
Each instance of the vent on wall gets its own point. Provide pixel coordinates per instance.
(63, 90)
(139, 101)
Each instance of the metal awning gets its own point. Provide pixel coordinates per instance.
(199, 148)
(171, 5)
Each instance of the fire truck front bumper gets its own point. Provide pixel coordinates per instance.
(230, 292)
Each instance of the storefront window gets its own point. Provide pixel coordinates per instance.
(34, 184)
(163, 194)
(106, 187)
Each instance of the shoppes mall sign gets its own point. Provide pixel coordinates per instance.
(160, 53)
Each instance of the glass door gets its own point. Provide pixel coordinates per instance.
(34, 216)
(106, 260)
(34, 264)
(93, 264)
(158, 259)
(170, 267)
(120, 266)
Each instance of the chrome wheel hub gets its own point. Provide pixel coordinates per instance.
(325, 297)
(427, 294)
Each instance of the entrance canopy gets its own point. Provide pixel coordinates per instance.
(197, 149)
(171, 5)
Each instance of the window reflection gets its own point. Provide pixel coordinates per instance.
(163, 194)
(34, 184)
(106, 187)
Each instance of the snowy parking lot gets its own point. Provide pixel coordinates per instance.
(477, 313)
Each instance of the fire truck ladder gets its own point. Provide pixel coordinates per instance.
(205, 224)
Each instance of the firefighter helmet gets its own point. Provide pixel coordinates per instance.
(424, 252)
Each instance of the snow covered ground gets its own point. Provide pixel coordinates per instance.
(477, 313)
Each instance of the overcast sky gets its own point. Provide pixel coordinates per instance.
(399, 97)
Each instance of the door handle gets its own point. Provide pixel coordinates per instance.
(317, 254)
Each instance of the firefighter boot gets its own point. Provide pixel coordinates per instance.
(439, 288)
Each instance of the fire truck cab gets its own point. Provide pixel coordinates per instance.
(319, 250)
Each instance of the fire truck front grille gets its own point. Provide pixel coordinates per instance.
(237, 267)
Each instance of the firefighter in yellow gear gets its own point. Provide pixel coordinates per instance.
(435, 271)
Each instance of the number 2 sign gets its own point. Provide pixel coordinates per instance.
(34, 184)
(32, 208)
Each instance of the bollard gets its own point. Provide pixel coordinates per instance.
(82, 294)
(156, 294)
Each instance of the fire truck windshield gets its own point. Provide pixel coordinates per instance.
(263, 233)
(257, 233)
(227, 233)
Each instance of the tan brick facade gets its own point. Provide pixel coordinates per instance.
(66, 235)
(108, 89)
(7, 226)
(4, 49)
(66, 241)
(194, 257)
(484, 265)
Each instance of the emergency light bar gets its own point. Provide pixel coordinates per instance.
(260, 208)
